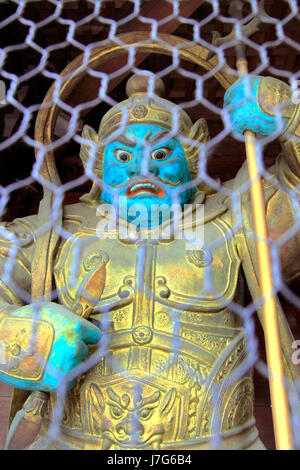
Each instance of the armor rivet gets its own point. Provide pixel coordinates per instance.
(15, 349)
(142, 335)
(23, 235)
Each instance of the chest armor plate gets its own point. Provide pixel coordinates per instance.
(175, 274)
(170, 339)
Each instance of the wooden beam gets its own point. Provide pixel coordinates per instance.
(158, 9)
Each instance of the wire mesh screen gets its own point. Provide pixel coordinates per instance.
(130, 286)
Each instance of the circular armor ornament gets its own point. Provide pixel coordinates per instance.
(162, 318)
(142, 335)
(94, 259)
(139, 112)
(199, 258)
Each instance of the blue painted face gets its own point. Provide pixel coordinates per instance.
(140, 167)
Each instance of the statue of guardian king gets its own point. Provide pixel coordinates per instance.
(161, 358)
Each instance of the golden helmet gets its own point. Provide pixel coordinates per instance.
(143, 107)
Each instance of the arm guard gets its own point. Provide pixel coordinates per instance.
(16, 245)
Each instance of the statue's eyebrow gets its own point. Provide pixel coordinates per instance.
(156, 137)
(123, 140)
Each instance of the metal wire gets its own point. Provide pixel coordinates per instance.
(26, 113)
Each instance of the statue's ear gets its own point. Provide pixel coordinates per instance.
(199, 131)
(168, 401)
(88, 133)
(199, 135)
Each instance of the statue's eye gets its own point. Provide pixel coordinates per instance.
(161, 154)
(116, 412)
(123, 155)
(145, 413)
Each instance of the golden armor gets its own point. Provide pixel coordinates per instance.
(176, 355)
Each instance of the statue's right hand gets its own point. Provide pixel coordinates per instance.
(40, 344)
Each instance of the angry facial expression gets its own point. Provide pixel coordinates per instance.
(145, 166)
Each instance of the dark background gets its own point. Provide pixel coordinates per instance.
(16, 161)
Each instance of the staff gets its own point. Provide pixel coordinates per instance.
(279, 400)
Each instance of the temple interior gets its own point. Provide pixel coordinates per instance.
(224, 161)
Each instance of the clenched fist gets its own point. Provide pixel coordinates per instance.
(264, 107)
(41, 344)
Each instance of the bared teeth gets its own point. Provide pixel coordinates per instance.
(146, 186)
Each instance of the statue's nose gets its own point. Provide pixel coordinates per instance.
(154, 170)
(130, 428)
(135, 170)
